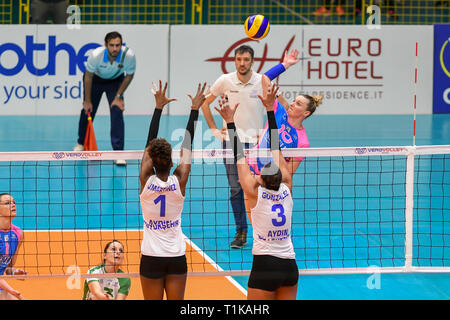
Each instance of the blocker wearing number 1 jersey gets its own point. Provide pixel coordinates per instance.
(272, 221)
(162, 204)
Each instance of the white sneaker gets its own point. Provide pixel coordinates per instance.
(78, 147)
(120, 162)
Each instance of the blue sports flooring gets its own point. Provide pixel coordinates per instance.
(347, 213)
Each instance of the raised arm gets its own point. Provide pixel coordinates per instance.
(269, 99)
(290, 58)
(183, 169)
(161, 100)
(288, 61)
(248, 182)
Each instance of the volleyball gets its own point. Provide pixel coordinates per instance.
(257, 27)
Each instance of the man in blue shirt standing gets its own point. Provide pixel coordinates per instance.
(109, 69)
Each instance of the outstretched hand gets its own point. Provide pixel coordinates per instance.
(269, 97)
(291, 58)
(199, 98)
(160, 95)
(226, 111)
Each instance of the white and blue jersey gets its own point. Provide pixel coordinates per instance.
(162, 205)
(272, 222)
(9, 242)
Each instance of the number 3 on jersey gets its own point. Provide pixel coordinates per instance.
(279, 210)
(162, 199)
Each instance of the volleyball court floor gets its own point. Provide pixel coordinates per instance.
(211, 232)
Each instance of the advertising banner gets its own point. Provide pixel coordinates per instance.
(441, 84)
(356, 69)
(41, 67)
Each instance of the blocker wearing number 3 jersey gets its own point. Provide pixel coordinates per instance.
(272, 221)
(162, 204)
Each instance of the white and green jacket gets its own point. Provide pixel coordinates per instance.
(111, 286)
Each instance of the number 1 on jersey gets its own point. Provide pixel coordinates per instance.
(162, 199)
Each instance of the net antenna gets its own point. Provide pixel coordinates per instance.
(415, 96)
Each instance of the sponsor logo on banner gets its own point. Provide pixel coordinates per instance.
(26, 56)
(212, 153)
(41, 67)
(217, 153)
(380, 150)
(17, 61)
(441, 83)
(58, 155)
(228, 56)
(76, 155)
(337, 67)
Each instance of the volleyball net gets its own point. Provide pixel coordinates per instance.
(356, 210)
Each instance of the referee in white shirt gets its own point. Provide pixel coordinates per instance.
(109, 69)
(241, 86)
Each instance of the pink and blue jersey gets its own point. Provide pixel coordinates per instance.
(9, 242)
(290, 137)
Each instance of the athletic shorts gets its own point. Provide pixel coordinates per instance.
(159, 267)
(270, 273)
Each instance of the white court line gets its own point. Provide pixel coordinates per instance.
(215, 265)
